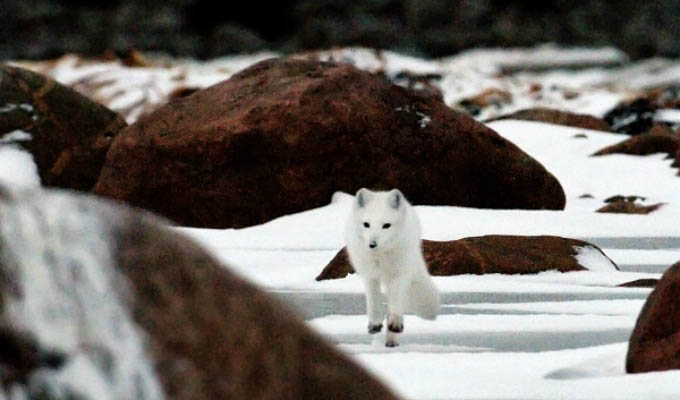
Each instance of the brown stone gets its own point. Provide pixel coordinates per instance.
(210, 334)
(493, 254)
(655, 342)
(70, 133)
(628, 207)
(660, 139)
(558, 117)
(638, 283)
(283, 135)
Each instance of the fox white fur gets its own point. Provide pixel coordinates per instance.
(384, 246)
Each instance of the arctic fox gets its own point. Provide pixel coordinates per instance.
(384, 246)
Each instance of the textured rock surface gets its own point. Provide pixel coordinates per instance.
(559, 117)
(655, 342)
(640, 283)
(493, 254)
(283, 135)
(132, 308)
(69, 134)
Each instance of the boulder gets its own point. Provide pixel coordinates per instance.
(655, 341)
(493, 254)
(67, 134)
(640, 283)
(625, 206)
(559, 117)
(97, 299)
(283, 135)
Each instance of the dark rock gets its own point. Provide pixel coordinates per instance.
(70, 133)
(655, 342)
(206, 333)
(628, 207)
(632, 118)
(659, 140)
(493, 254)
(617, 198)
(558, 117)
(643, 283)
(283, 135)
(495, 98)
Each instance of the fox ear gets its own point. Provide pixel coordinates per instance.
(395, 198)
(362, 196)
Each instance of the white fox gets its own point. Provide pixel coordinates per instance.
(384, 247)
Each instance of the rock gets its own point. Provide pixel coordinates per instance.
(559, 117)
(493, 254)
(67, 134)
(661, 139)
(489, 98)
(628, 207)
(638, 283)
(97, 298)
(655, 342)
(637, 116)
(283, 135)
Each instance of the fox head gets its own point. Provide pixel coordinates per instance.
(379, 218)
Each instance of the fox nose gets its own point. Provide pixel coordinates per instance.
(373, 244)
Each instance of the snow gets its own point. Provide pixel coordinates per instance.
(550, 335)
(71, 300)
(17, 167)
(592, 259)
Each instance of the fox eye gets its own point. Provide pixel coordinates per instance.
(385, 226)
(367, 225)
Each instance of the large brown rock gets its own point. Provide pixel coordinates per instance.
(141, 310)
(660, 139)
(655, 341)
(70, 134)
(283, 135)
(493, 254)
(559, 117)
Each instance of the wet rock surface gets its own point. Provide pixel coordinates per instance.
(283, 135)
(493, 254)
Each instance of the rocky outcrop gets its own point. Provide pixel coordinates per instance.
(283, 135)
(559, 117)
(100, 299)
(493, 254)
(67, 134)
(655, 341)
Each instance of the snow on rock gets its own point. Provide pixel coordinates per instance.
(17, 167)
(63, 291)
(593, 259)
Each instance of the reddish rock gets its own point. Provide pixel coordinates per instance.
(207, 333)
(559, 117)
(493, 254)
(655, 342)
(660, 139)
(283, 135)
(628, 207)
(640, 283)
(488, 98)
(70, 133)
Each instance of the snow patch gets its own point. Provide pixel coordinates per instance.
(70, 299)
(593, 260)
(16, 136)
(17, 168)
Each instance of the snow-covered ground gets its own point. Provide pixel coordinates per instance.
(544, 336)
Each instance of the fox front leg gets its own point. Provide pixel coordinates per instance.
(396, 291)
(373, 306)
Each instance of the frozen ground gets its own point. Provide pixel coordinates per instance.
(544, 336)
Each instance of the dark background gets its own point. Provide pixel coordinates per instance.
(208, 28)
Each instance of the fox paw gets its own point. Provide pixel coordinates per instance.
(395, 323)
(391, 343)
(374, 328)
